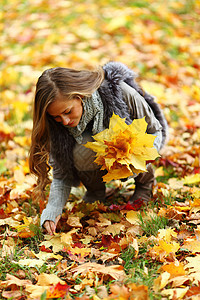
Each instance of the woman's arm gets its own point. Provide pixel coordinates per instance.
(59, 193)
(139, 108)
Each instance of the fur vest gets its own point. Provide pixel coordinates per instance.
(62, 142)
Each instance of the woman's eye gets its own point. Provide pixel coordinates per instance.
(67, 113)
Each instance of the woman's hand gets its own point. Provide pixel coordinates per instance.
(50, 226)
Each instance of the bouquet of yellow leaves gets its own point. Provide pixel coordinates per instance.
(123, 149)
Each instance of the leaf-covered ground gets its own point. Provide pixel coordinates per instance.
(113, 250)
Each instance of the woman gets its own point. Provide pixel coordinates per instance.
(70, 107)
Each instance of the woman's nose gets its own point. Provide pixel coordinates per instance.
(65, 120)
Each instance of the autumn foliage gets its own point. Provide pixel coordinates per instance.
(123, 149)
(117, 249)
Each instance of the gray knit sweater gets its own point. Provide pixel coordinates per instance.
(84, 157)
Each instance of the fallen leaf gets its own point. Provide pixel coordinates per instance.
(194, 263)
(138, 292)
(174, 269)
(167, 234)
(49, 279)
(74, 221)
(177, 293)
(192, 245)
(9, 221)
(132, 217)
(116, 271)
(35, 291)
(163, 249)
(32, 263)
(161, 281)
(57, 291)
(114, 229)
(13, 280)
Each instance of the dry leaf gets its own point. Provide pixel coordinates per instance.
(194, 263)
(174, 269)
(114, 229)
(192, 245)
(161, 281)
(163, 249)
(32, 263)
(116, 271)
(138, 292)
(10, 222)
(177, 293)
(49, 279)
(35, 291)
(13, 280)
(74, 221)
(132, 217)
(167, 234)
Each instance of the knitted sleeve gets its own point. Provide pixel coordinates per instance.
(59, 193)
(139, 108)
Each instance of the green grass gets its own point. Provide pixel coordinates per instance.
(8, 265)
(140, 270)
(152, 225)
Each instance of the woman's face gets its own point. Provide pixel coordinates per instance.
(67, 112)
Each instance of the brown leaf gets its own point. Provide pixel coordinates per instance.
(74, 221)
(49, 279)
(11, 279)
(116, 272)
(192, 245)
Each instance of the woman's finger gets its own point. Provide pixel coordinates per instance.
(57, 219)
(50, 227)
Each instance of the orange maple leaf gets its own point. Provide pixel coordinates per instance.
(173, 269)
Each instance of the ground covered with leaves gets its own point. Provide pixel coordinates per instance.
(113, 250)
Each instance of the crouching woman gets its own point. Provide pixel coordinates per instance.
(71, 106)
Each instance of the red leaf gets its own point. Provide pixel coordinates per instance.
(78, 245)
(108, 239)
(128, 206)
(57, 291)
(136, 205)
(44, 249)
(2, 214)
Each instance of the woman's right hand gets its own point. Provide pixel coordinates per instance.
(50, 226)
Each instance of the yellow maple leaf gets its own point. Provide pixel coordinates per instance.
(123, 149)
(132, 217)
(166, 234)
(166, 247)
(192, 179)
(163, 249)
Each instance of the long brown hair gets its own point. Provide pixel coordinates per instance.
(70, 83)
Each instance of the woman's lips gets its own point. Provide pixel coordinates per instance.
(71, 123)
